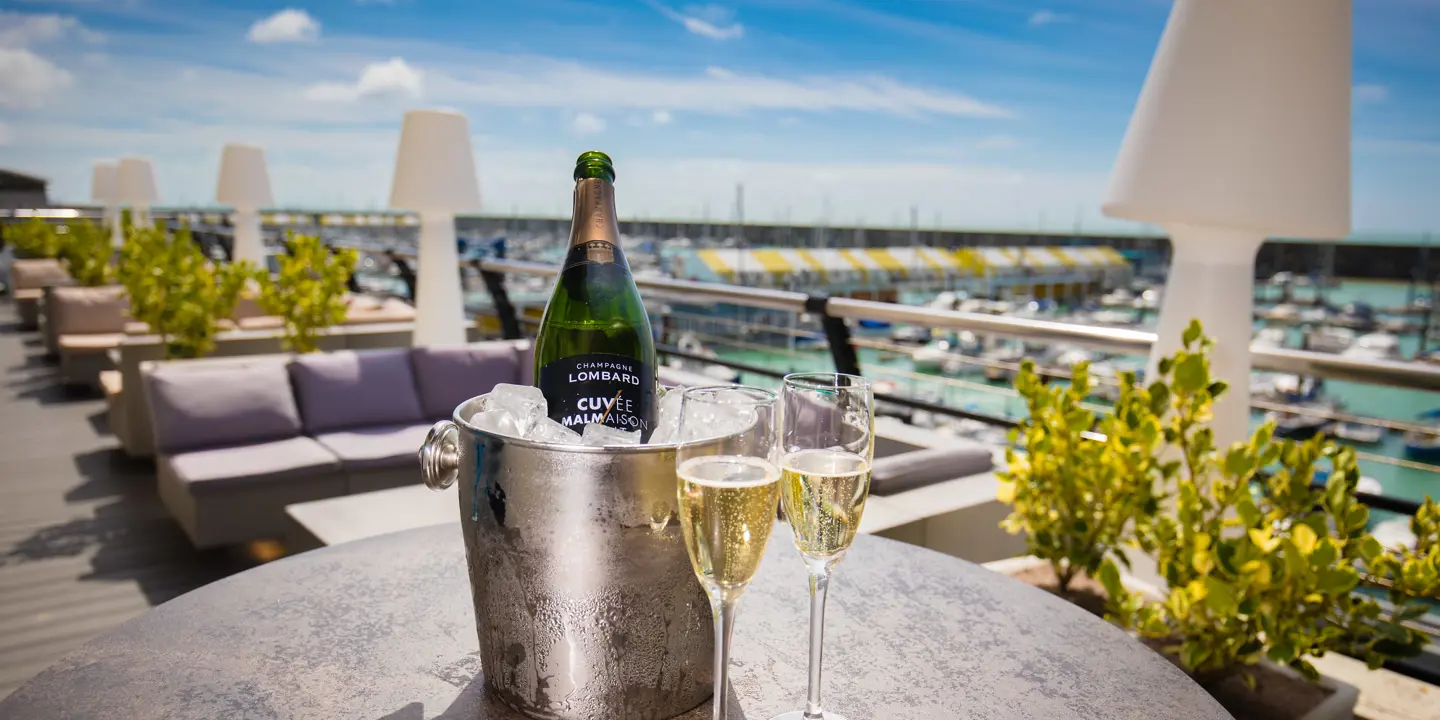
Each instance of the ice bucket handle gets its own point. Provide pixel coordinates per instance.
(440, 455)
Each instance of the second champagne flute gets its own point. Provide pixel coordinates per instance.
(827, 437)
(728, 494)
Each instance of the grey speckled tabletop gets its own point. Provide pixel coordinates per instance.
(382, 629)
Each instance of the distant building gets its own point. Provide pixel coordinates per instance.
(18, 190)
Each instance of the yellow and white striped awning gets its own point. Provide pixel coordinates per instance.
(776, 267)
(996, 260)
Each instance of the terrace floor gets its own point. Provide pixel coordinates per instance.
(84, 542)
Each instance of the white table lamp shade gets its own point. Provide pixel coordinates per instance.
(244, 179)
(1244, 121)
(135, 183)
(102, 183)
(435, 165)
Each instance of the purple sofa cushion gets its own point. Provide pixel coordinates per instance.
(919, 468)
(378, 447)
(448, 376)
(246, 466)
(227, 404)
(353, 389)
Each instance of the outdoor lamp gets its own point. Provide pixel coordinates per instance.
(102, 192)
(135, 187)
(245, 185)
(435, 177)
(1241, 132)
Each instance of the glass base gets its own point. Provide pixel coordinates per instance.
(800, 715)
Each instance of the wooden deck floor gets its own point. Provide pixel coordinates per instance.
(84, 542)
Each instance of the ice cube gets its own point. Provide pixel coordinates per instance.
(667, 422)
(524, 402)
(549, 431)
(605, 436)
(501, 422)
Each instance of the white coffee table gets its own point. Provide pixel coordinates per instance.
(320, 523)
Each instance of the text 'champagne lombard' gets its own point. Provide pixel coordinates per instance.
(727, 509)
(594, 354)
(823, 492)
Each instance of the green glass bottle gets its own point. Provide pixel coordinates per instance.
(594, 354)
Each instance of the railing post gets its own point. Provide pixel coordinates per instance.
(407, 274)
(837, 334)
(351, 284)
(495, 285)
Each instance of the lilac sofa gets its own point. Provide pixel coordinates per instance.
(238, 439)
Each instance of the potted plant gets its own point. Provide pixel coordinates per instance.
(1260, 568)
(176, 290)
(85, 249)
(1075, 497)
(34, 238)
(308, 292)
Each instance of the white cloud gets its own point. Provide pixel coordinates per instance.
(26, 79)
(23, 30)
(1369, 93)
(5, 135)
(1047, 17)
(587, 124)
(540, 83)
(288, 25)
(390, 78)
(661, 117)
(997, 142)
(711, 21)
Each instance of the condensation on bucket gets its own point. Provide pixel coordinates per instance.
(585, 601)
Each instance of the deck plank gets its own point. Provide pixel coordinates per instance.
(84, 542)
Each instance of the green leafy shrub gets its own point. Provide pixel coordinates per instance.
(309, 291)
(177, 291)
(1258, 564)
(85, 248)
(1075, 497)
(1413, 572)
(34, 237)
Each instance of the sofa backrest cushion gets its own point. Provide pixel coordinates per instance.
(89, 310)
(204, 404)
(37, 273)
(916, 469)
(448, 376)
(350, 389)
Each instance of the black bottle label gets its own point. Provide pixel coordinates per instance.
(613, 390)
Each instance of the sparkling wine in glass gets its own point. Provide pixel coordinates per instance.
(827, 441)
(728, 488)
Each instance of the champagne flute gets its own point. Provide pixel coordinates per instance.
(728, 494)
(827, 440)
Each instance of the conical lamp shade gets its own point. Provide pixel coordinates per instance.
(135, 183)
(102, 183)
(244, 178)
(1244, 121)
(435, 165)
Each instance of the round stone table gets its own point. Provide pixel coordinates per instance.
(383, 629)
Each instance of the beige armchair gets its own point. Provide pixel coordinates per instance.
(82, 325)
(28, 280)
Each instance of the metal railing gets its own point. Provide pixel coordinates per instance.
(1409, 375)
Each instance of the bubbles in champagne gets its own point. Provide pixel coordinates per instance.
(727, 509)
(824, 495)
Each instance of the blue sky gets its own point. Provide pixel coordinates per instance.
(983, 113)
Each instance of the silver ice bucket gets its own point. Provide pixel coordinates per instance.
(585, 601)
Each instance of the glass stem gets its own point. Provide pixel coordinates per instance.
(722, 606)
(819, 583)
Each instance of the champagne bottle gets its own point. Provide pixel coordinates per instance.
(594, 355)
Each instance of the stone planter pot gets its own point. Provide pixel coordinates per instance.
(1339, 703)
